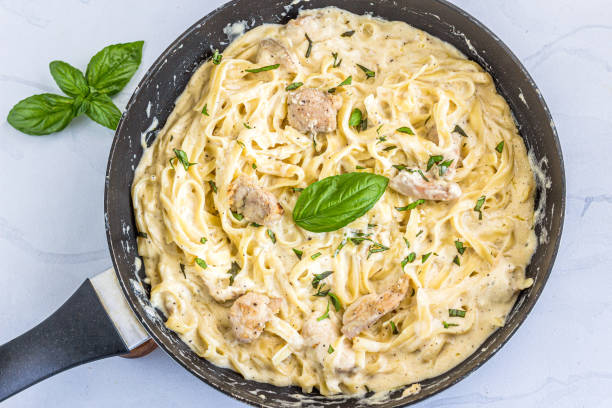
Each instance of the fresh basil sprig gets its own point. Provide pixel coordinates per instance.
(333, 202)
(107, 73)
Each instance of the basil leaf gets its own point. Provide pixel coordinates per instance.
(233, 271)
(315, 256)
(393, 327)
(294, 85)
(325, 315)
(459, 130)
(272, 235)
(298, 253)
(330, 349)
(262, 69)
(355, 118)
(411, 206)
(337, 62)
(201, 263)
(500, 147)
(42, 114)
(347, 33)
(335, 301)
(347, 81)
(69, 79)
(101, 109)
(112, 68)
(433, 160)
(319, 277)
(216, 58)
(332, 203)
(309, 46)
(405, 129)
(456, 313)
(368, 72)
(182, 157)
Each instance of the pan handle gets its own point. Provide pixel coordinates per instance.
(80, 331)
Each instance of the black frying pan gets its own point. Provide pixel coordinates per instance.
(81, 331)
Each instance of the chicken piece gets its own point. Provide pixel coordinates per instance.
(367, 309)
(253, 202)
(272, 52)
(411, 183)
(311, 110)
(250, 313)
(319, 335)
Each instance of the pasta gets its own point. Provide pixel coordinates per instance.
(441, 255)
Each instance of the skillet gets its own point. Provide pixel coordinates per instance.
(110, 314)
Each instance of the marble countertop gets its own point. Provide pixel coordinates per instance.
(52, 229)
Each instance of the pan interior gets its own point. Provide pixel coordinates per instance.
(154, 99)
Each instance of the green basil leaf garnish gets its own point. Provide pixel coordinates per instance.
(456, 312)
(238, 216)
(212, 185)
(325, 315)
(309, 45)
(447, 325)
(405, 129)
(443, 167)
(262, 69)
(272, 235)
(424, 257)
(460, 247)
(330, 349)
(69, 79)
(101, 109)
(433, 160)
(42, 114)
(335, 301)
(293, 86)
(393, 327)
(333, 202)
(182, 157)
(347, 81)
(500, 147)
(347, 33)
(205, 110)
(459, 130)
(412, 205)
(456, 260)
(337, 62)
(355, 118)
(201, 263)
(368, 72)
(315, 256)
(233, 271)
(298, 253)
(183, 270)
(111, 69)
(319, 277)
(203, 240)
(216, 58)
(478, 207)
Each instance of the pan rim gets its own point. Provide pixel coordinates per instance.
(453, 378)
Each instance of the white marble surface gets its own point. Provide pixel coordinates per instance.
(52, 229)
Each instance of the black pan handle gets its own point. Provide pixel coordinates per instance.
(80, 331)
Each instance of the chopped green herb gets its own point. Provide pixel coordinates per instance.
(297, 189)
(336, 63)
(500, 147)
(447, 325)
(246, 125)
(262, 69)
(240, 143)
(172, 164)
(425, 257)
(330, 349)
(315, 256)
(355, 118)
(254, 224)
(389, 148)
(360, 167)
(419, 233)
(203, 240)
(371, 225)
(183, 270)
(201, 263)
(422, 175)
(182, 157)
(360, 237)
(460, 131)
(409, 259)
(335, 301)
(319, 277)
(405, 129)
(381, 139)
(298, 253)
(216, 58)
(376, 247)
(204, 111)
(321, 291)
(433, 160)
(456, 312)
(325, 315)
(400, 167)
(347, 81)
(212, 185)
(412, 205)
(272, 235)
(460, 247)
(237, 216)
(142, 234)
(393, 327)
(233, 271)
(342, 244)
(254, 166)
(479, 205)
(368, 72)
(456, 260)
(347, 33)
(293, 86)
(309, 45)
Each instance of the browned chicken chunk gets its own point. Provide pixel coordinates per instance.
(311, 110)
(272, 52)
(367, 309)
(412, 184)
(250, 313)
(253, 202)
